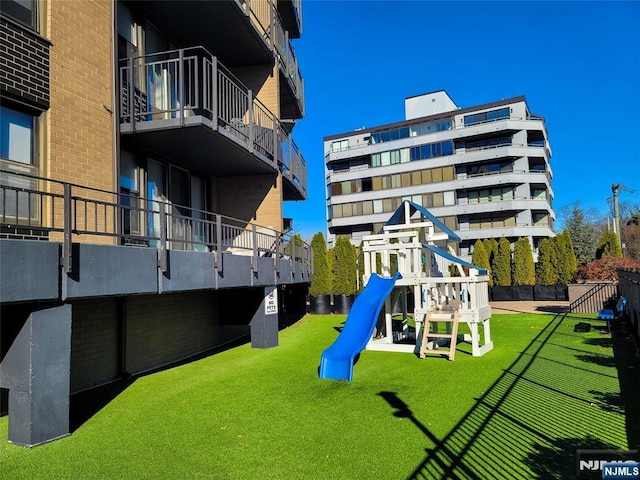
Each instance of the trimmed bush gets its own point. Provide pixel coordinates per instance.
(501, 267)
(567, 261)
(608, 246)
(345, 257)
(523, 267)
(321, 278)
(480, 258)
(546, 268)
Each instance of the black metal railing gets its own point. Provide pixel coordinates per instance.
(179, 87)
(594, 299)
(73, 210)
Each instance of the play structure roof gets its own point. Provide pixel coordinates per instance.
(452, 258)
(398, 218)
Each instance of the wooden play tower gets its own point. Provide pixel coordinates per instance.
(445, 288)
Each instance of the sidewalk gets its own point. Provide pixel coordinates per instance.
(540, 306)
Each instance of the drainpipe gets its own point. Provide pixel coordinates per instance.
(115, 111)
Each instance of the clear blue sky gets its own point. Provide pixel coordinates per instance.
(577, 63)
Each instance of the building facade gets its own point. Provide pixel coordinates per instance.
(484, 171)
(146, 152)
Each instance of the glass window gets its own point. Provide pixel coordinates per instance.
(346, 187)
(24, 11)
(425, 151)
(357, 208)
(377, 183)
(507, 194)
(386, 158)
(404, 132)
(415, 153)
(376, 160)
(447, 174)
(386, 182)
(417, 199)
(427, 200)
(377, 206)
(337, 211)
(405, 155)
(340, 145)
(387, 205)
(436, 175)
(17, 136)
(395, 156)
(367, 207)
(438, 199)
(474, 197)
(426, 176)
(347, 210)
(366, 184)
(450, 198)
(447, 148)
(416, 178)
(395, 181)
(405, 179)
(510, 222)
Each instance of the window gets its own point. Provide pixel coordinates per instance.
(450, 198)
(340, 145)
(24, 11)
(17, 136)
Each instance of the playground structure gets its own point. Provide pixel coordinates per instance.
(440, 282)
(439, 297)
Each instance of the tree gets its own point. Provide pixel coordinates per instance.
(584, 234)
(491, 246)
(546, 268)
(567, 261)
(480, 258)
(630, 235)
(608, 246)
(501, 267)
(523, 268)
(321, 278)
(344, 267)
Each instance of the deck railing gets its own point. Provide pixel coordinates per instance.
(288, 58)
(70, 210)
(176, 87)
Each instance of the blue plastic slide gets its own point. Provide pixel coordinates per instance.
(337, 360)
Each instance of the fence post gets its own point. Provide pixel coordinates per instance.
(162, 260)
(181, 85)
(67, 214)
(214, 93)
(254, 257)
(277, 253)
(218, 243)
(251, 130)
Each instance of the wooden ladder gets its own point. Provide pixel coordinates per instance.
(435, 317)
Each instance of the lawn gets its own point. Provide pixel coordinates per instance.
(520, 411)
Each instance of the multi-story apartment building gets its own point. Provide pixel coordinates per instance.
(146, 152)
(483, 171)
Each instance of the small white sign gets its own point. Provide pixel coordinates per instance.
(271, 300)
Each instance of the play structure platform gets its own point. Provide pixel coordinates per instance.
(401, 262)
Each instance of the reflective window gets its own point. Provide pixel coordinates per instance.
(16, 136)
(24, 11)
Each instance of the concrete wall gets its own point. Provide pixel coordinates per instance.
(94, 343)
(162, 329)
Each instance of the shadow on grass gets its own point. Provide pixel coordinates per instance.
(530, 422)
(84, 405)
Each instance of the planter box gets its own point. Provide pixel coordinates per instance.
(320, 305)
(501, 294)
(342, 303)
(545, 292)
(562, 292)
(522, 292)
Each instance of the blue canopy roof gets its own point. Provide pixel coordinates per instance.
(448, 256)
(398, 217)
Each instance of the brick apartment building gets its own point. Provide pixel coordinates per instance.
(145, 154)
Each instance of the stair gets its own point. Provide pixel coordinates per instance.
(435, 317)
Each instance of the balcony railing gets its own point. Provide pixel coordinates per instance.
(191, 87)
(50, 207)
(288, 58)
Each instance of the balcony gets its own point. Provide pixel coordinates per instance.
(189, 106)
(292, 84)
(39, 208)
(237, 30)
(291, 13)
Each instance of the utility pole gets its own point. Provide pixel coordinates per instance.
(616, 212)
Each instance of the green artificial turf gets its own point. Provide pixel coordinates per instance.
(520, 411)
